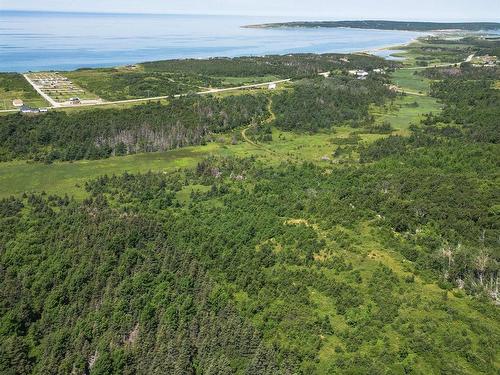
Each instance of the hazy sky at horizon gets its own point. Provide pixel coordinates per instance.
(318, 9)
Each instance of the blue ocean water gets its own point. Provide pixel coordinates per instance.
(62, 41)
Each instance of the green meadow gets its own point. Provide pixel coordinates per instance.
(14, 86)
(69, 178)
(409, 79)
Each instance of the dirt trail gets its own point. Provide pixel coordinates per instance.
(269, 120)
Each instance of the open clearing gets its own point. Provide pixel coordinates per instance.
(14, 86)
(58, 89)
(410, 81)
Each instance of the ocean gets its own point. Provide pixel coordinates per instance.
(33, 41)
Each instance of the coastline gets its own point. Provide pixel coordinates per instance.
(156, 40)
(369, 51)
(393, 47)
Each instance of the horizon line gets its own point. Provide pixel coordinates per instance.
(316, 18)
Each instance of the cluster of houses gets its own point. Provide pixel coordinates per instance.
(57, 86)
(54, 81)
(486, 61)
(363, 74)
(360, 74)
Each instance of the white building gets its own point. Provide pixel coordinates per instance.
(360, 74)
(27, 109)
(272, 86)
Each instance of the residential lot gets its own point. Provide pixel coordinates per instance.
(61, 89)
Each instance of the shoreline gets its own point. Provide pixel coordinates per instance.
(395, 47)
(369, 51)
(111, 65)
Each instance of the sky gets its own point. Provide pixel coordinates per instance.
(432, 10)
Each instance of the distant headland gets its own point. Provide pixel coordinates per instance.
(386, 25)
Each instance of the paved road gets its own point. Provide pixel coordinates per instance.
(211, 91)
(52, 102)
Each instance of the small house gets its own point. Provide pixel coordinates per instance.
(272, 86)
(379, 71)
(360, 74)
(325, 74)
(26, 109)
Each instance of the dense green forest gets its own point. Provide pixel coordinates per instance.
(286, 66)
(387, 263)
(98, 134)
(322, 103)
(237, 279)
(390, 25)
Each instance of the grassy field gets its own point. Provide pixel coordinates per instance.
(69, 178)
(408, 80)
(405, 111)
(14, 86)
(132, 83)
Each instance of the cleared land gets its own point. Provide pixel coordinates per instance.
(59, 89)
(13, 86)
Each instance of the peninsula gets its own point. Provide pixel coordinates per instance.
(386, 25)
